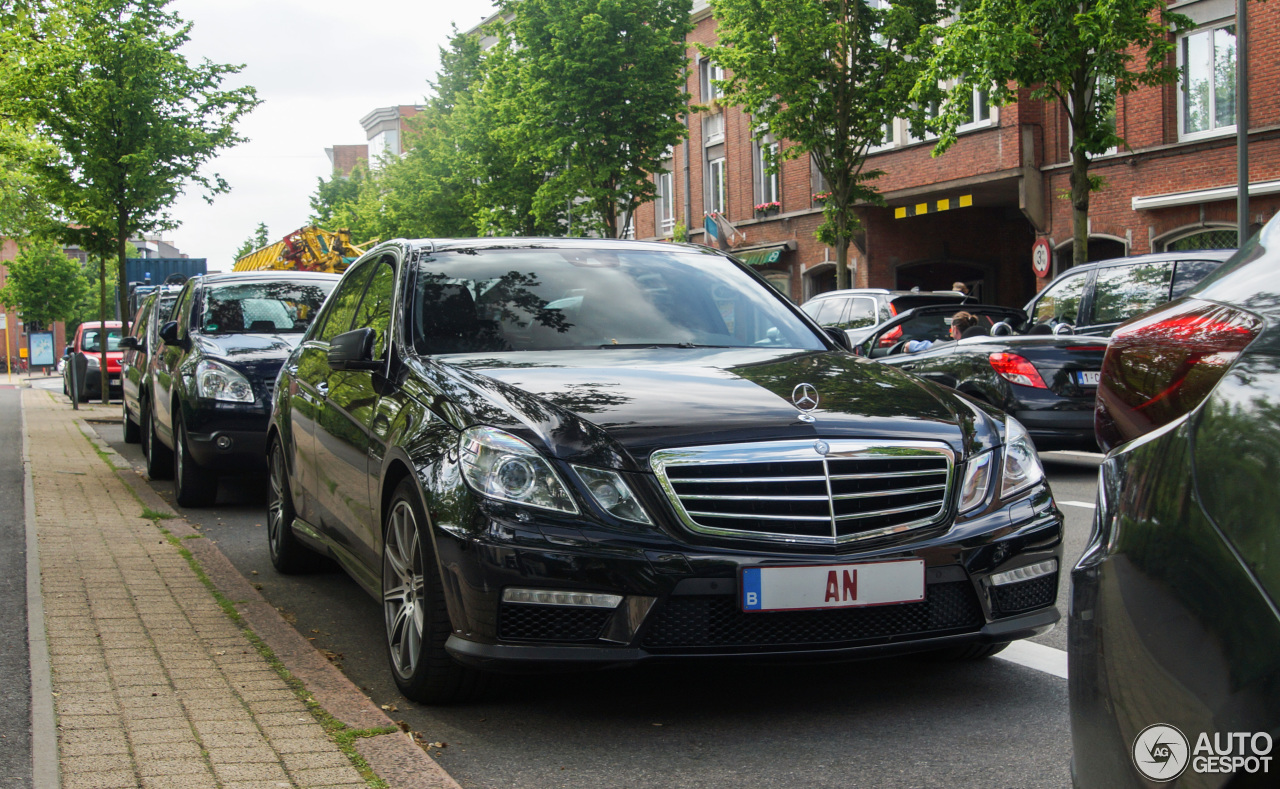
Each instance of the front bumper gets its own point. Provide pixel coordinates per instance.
(681, 601)
(227, 437)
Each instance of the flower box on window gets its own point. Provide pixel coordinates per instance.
(768, 209)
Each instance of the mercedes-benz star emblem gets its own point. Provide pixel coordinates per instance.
(821, 447)
(805, 397)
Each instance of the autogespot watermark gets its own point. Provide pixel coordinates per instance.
(1161, 752)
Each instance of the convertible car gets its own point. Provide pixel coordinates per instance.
(1046, 381)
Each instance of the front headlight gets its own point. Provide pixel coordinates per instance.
(612, 494)
(217, 381)
(1022, 467)
(93, 361)
(977, 479)
(501, 466)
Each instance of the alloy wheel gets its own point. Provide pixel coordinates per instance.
(402, 589)
(275, 502)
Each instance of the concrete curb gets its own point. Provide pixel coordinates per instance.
(393, 757)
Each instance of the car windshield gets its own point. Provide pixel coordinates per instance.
(497, 300)
(261, 307)
(92, 340)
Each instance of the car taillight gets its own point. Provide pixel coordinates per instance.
(891, 337)
(1016, 369)
(1163, 365)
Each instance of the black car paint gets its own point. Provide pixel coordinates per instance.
(610, 408)
(1059, 417)
(1174, 613)
(135, 364)
(257, 356)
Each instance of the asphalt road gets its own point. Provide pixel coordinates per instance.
(906, 722)
(15, 665)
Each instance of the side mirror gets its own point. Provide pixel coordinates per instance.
(353, 351)
(169, 336)
(128, 344)
(67, 351)
(838, 337)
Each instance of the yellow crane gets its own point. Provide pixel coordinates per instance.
(306, 249)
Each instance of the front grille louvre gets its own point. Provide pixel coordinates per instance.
(718, 621)
(1024, 595)
(787, 491)
(524, 622)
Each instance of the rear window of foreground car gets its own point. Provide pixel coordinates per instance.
(485, 301)
(275, 307)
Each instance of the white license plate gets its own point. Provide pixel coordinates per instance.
(1085, 378)
(809, 587)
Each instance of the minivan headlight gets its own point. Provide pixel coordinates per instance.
(217, 381)
(1022, 467)
(501, 466)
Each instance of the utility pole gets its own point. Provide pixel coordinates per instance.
(1242, 121)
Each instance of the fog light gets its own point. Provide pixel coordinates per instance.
(224, 442)
(555, 597)
(1025, 573)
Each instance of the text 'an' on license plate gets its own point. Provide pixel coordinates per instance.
(808, 587)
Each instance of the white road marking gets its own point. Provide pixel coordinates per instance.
(1086, 504)
(1036, 656)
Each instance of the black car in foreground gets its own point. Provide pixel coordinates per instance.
(1046, 381)
(1174, 642)
(573, 452)
(206, 401)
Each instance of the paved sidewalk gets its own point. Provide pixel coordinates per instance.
(154, 683)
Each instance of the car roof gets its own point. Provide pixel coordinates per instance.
(884, 292)
(451, 244)
(265, 276)
(1220, 255)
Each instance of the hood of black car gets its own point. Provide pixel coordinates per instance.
(247, 347)
(615, 407)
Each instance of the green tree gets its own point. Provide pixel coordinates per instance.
(1084, 55)
(134, 123)
(603, 88)
(259, 239)
(24, 211)
(828, 76)
(332, 194)
(43, 284)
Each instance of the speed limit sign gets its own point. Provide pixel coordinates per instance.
(1040, 257)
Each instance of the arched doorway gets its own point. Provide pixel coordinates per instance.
(1100, 248)
(820, 278)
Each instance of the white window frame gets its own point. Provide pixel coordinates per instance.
(976, 122)
(1214, 130)
(1071, 133)
(769, 186)
(665, 210)
(709, 70)
(713, 129)
(716, 186)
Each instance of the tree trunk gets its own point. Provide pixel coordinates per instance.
(103, 385)
(122, 285)
(1079, 207)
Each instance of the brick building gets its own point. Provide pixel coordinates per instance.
(974, 213)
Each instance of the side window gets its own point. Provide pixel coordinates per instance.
(182, 310)
(375, 307)
(1188, 272)
(1061, 303)
(824, 311)
(861, 313)
(342, 303)
(139, 327)
(1121, 292)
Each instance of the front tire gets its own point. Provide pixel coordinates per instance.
(193, 486)
(132, 434)
(416, 618)
(159, 457)
(288, 555)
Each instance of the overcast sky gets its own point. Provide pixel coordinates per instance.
(319, 67)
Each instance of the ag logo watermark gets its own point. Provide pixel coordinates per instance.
(1161, 752)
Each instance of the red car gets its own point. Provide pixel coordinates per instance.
(88, 343)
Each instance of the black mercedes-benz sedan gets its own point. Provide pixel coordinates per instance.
(206, 402)
(573, 452)
(1174, 639)
(1046, 381)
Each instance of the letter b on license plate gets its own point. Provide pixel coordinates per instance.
(809, 587)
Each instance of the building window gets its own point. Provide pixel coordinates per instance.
(1106, 86)
(716, 186)
(885, 142)
(708, 72)
(1207, 58)
(919, 135)
(818, 183)
(1213, 238)
(767, 189)
(665, 204)
(713, 129)
(978, 111)
(629, 229)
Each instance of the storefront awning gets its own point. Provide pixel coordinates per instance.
(761, 256)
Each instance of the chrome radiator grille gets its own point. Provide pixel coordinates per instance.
(791, 491)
